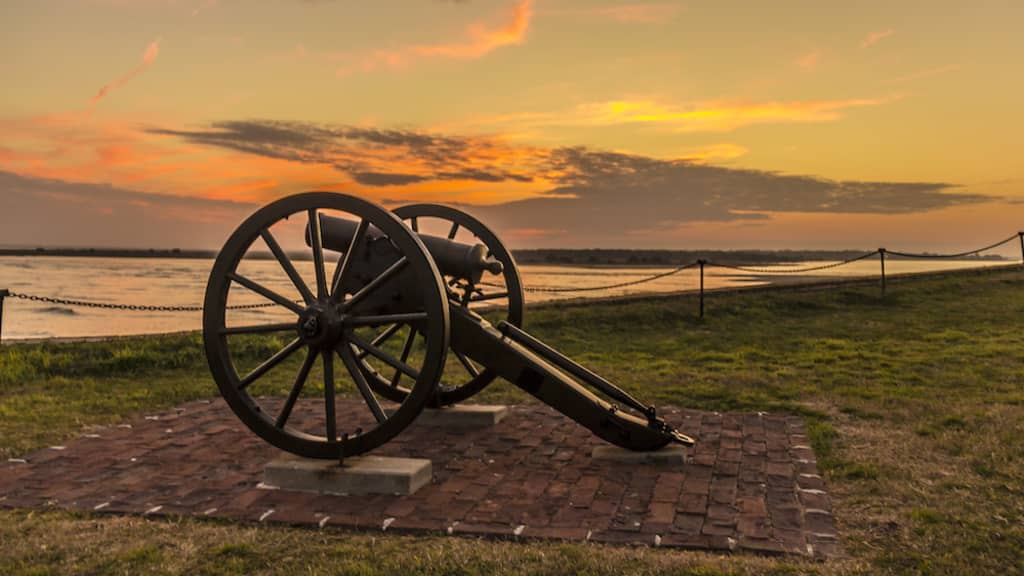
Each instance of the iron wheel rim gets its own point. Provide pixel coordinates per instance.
(215, 331)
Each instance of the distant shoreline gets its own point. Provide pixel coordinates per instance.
(589, 257)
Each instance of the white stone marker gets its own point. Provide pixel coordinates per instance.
(356, 476)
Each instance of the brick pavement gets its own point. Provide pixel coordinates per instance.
(750, 484)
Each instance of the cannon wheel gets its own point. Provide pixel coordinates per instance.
(506, 297)
(322, 325)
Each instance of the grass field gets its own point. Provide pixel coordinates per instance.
(915, 404)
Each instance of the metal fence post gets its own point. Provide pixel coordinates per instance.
(702, 263)
(3, 294)
(881, 259)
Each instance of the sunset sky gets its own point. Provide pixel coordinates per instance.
(565, 123)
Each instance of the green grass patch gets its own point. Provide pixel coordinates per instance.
(913, 405)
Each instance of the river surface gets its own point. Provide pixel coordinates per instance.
(181, 282)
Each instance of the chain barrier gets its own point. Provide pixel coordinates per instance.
(960, 255)
(132, 307)
(556, 289)
(760, 270)
(792, 270)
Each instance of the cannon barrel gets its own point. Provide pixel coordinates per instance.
(467, 261)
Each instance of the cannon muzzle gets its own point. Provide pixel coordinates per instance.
(466, 261)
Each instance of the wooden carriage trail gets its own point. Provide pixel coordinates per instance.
(750, 484)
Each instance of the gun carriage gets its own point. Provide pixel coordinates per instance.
(391, 280)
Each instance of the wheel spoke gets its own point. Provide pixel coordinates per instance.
(274, 360)
(386, 275)
(494, 296)
(380, 339)
(332, 425)
(334, 278)
(300, 381)
(345, 351)
(388, 359)
(317, 243)
(259, 328)
(454, 230)
(265, 292)
(286, 264)
(415, 224)
(385, 319)
(468, 365)
(346, 262)
(406, 349)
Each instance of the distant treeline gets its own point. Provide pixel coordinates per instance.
(622, 257)
(557, 256)
(110, 252)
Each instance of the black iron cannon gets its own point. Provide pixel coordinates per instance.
(393, 280)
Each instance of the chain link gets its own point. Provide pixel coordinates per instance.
(131, 307)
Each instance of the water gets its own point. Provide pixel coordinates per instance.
(182, 282)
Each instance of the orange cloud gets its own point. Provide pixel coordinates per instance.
(249, 189)
(207, 4)
(93, 147)
(713, 153)
(147, 60)
(809, 61)
(479, 41)
(534, 233)
(717, 116)
(707, 116)
(646, 13)
(929, 72)
(876, 36)
(85, 147)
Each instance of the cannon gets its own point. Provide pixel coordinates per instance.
(399, 301)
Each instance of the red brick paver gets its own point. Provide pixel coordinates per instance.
(751, 483)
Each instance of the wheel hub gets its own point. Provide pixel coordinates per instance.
(320, 325)
(311, 327)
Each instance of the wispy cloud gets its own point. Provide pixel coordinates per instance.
(710, 116)
(809, 61)
(643, 13)
(713, 153)
(147, 60)
(479, 40)
(690, 117)
(929, 72)
(876, 37)
(205, 5)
